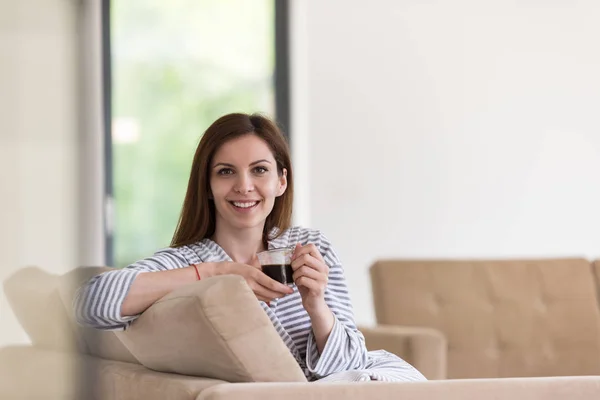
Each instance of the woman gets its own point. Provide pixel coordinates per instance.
(239, 203)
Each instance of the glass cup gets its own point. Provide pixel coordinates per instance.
(277, 264)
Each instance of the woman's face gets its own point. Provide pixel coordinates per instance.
(244, 183)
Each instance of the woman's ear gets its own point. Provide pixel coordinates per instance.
(282, 183)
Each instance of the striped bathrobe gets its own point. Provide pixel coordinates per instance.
(344, 358)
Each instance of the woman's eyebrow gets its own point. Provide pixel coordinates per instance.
(233, 166)
(224, 165)
(259, 161)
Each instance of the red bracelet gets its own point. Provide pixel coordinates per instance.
(196, 269)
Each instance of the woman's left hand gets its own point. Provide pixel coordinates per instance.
(311, 276)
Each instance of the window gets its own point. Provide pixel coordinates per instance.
(174, 68)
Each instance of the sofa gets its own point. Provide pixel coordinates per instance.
(209, 340)
(501, 318)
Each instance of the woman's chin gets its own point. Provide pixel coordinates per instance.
(248, 223)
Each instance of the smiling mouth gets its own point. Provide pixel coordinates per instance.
(244, 204)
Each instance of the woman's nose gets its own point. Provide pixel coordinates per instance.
(244, 184)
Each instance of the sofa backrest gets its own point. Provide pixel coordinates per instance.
(596, 273)
(502, 318)
(42, 303)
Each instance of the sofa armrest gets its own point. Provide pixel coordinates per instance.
(546, 388)
(424, 348)
(213, 328)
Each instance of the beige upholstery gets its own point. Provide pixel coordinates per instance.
(213, 328)
(52, 375)
(37, 305)
(571, 388)
(43, 374)
(42, 304)
(596, 272)
(27, 372)
(103, 344)
(423, 348)
(501, 318)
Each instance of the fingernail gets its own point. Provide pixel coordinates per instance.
(268, 303)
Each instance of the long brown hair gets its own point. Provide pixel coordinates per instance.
(198, 220)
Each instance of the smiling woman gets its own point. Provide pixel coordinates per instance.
(245, 159)
(239, 203)
(245, 187)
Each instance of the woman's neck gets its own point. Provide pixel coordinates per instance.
(240, 245)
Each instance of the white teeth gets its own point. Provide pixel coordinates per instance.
(244, 205)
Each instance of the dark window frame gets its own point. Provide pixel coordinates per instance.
(282, 101)
(107, 119)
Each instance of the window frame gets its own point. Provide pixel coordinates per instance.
(282, 103)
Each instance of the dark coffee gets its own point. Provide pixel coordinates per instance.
(279, 272)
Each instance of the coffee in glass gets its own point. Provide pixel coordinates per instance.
(277, 264)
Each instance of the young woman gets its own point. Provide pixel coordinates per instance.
(239, 203)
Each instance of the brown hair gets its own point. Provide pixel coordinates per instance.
(197, 220)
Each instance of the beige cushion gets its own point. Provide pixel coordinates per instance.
(213, 328)
(42, 303)
(99, 343)
(502, 318)
(32, 295)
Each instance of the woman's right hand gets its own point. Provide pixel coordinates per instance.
(264, 288)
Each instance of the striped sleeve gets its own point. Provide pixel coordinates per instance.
(98, 302)
(345, 348)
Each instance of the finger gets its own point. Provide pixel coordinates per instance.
(313, 251)
(311, 284)
(299, 250)
(255, 283)
(309, 273)
(310, 248)
(271, 284)
(264, 293)
(255, 262)
(296, 250)
(311, 262)
(304, 259)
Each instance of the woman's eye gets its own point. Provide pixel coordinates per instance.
(225, 171)
(260, 170)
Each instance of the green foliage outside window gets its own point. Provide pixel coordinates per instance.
(177, 66)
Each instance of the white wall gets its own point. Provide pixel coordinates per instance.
(40, 143)
(447, 129)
